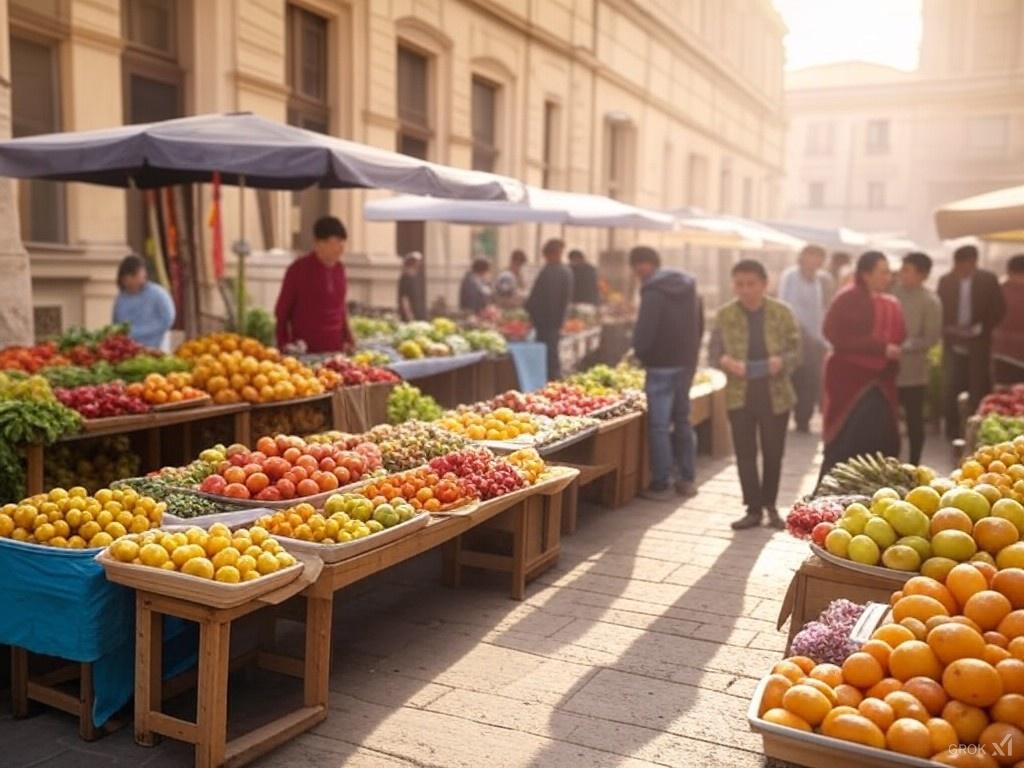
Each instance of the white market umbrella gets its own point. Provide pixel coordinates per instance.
(997, 215)
(542, 206)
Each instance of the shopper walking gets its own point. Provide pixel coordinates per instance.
(1008, 336)
(666, 340)
(866, 331)
(146, 306)
(548, 302)
(756, 342)
(412, 304)
(807, 290)
(311, 306)
(972, 306)
(922, 316)
(584, 279)
(475, 292)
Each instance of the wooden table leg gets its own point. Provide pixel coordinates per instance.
(152, 449)
(451, 566)
(87, 729)
(243, 427)
(570, 508)
(34, 469)
(318, 650)
(519, 550)
(19, 681)
(148, 670)
(212, 703)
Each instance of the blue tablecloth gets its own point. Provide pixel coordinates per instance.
(58, 602)
(431, 366)
(531, 361)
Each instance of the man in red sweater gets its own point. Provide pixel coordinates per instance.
(311, 305)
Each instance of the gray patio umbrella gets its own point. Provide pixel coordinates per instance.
(246, 150)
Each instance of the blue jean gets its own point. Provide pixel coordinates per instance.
(669, 434)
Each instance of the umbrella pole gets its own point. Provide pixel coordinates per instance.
(241, 249)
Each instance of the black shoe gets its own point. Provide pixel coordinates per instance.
(750, 520)
(774, 520)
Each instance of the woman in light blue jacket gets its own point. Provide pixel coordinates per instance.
(146, 307)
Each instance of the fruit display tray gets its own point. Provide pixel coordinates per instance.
(816, 751)
(569, 440)
(335, 553)
(193, 402)
(557, 479)
(317, 500)
(323, 396)
(214, 594)
(896, 577)
(229, 518)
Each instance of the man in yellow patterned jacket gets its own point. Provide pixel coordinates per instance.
(756, 342)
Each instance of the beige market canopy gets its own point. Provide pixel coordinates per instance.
(997, 215)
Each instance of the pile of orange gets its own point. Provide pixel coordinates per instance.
(157, 389)
(946, 671)
(995, 469)
(216, 343)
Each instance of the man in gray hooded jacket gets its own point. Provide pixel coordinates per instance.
(666, 340)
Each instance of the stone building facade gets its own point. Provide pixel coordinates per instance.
(662, 103)
(879, 149)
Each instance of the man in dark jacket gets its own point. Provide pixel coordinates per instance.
(584, 279)
(548, 302)
(972, 305)
(475, 291)
(666, 340)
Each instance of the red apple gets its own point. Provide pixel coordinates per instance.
(214, 484)
(820, 531)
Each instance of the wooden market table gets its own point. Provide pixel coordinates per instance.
(149, 423)
(209, 731)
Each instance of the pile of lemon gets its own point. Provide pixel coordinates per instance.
(72, 519)
(217, 554)
(500, 424)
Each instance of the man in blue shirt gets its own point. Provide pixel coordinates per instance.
(146, 307)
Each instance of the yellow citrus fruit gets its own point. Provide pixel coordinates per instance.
(153, 555)
(807, 702)
(267, 562)
(198, 566)
(101, 539)
(226, 556)
(228, 574)
(124, 550)
(182, 555)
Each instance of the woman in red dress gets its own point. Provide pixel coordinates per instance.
(865, 327)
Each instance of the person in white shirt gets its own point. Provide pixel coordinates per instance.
(807, 289)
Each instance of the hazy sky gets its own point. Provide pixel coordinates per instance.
(880, 31)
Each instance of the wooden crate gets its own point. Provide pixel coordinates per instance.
(817, 583)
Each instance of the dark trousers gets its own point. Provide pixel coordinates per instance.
(970, 373)
(551, 338)
(807, 381)
(912, 403)
(759, 492)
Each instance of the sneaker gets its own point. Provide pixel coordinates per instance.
(774, 520)
(750, 520)
(657, 494)
(685, 488)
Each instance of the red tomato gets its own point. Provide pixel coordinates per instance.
(327, 481)
(270, 493)
(256, 482)
(291, 455)
(234, 475)
(213, 484)
(286, 488)
(236, 491)
(252, 468)
(267, 445)
(275, 467)
(343, 475)
(327, 464)
(307, 487)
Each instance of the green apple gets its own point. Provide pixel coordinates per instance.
(838, 542)
(954, 544)
(335, 503)
(906, 519)
(919, 544)
(880, 532)
(1012, 510)
(863, 550)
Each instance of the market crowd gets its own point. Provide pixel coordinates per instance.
(855, 340)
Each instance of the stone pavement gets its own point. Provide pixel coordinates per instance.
(641, 648)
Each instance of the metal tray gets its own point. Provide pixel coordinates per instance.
(896, 577)
(335, 553)
(817, 751)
